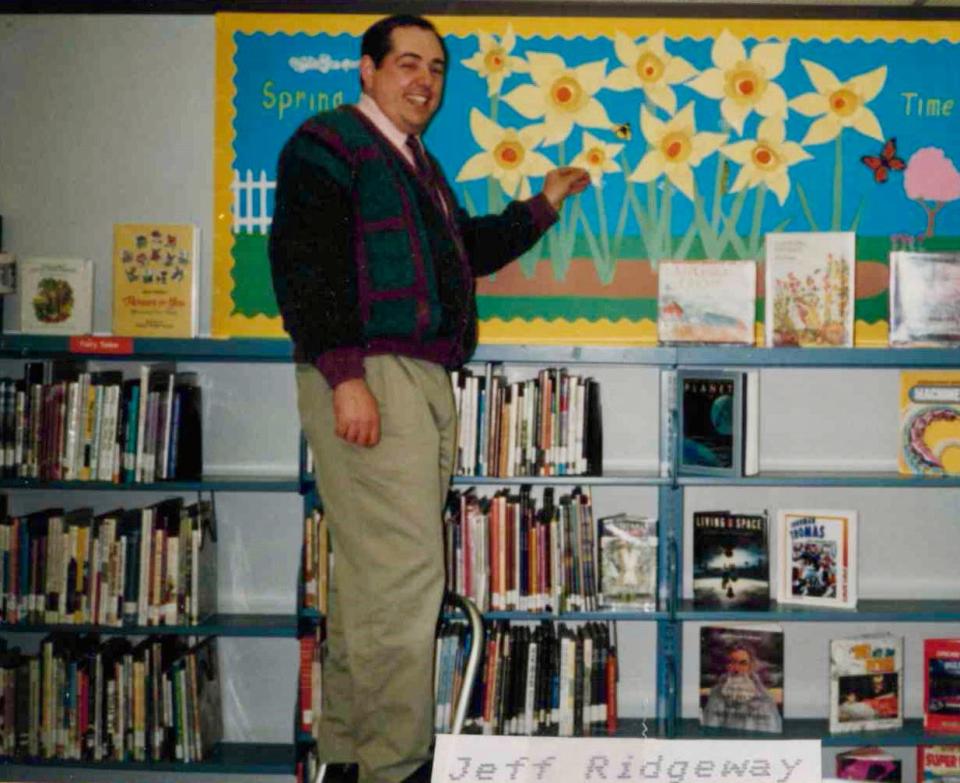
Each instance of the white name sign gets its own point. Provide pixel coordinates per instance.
(487, 759)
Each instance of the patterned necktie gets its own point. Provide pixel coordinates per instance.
(424, 170)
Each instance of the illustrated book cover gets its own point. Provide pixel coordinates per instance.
(155, 279)
(707, 302)
(719, 426)
(941, 685)
(731, 565)
(939, 763)
(869, 764)
(809, 289)
(56, 295)
(741, 677)
(929, 422)
(866, 683)
(924, 299)
(817, 562)
(628, 562)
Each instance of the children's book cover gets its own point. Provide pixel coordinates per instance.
(731, 566)
(155, 279)
(818, 557)
(924, 298)
(741, 677)
(714, 417)
(869, 764)
(941, 685)
(930, 422)
(866, 683)
(628, 562)
(940, 763)
(706, 302)
(56, 295)
(809, 289)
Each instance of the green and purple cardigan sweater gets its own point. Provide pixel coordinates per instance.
(367, 260)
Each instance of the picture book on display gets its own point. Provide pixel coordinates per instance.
(940, 763)
(809, 289)
(869, 764)
(731, 566)
(817, 561)
(929, 422)
(155, 279)
(628, 562)
(866, 683)
(56, 295)
(707, 302)
(941, 685)
(719, 425)
(924, 298)
(741, 677)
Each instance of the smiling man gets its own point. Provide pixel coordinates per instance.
(373, 266)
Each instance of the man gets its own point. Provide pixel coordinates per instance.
(373, 265)
(740, 700)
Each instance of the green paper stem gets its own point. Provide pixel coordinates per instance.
(805, 207)
(837, 218)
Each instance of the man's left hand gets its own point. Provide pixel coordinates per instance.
(562, 182)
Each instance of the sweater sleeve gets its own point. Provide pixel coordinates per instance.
(311, 259)
(493, 241)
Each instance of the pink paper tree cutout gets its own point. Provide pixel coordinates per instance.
(931, 180)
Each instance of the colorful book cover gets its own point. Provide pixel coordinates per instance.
(741, 677)
(940, 763)
(731, 565)
(817, 558)
(155, 279)
(56, 295)
(869, 764)
(707, 302)
(628, 562)
(930, 422)
(866, 683)
(809, 289)
(941, 685)
(924, 299)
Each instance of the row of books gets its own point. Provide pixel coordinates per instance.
(61, 421)
(310, 681)
(545, 426)
(155, 565)
(507, 554)
(552, 679)
(315, 562)
(810, 284)
(935, 764)
(89, 700)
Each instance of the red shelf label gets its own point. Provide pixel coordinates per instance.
(89, 344)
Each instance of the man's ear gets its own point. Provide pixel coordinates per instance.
(367, 67)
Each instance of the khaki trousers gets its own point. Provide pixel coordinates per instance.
(383, 506)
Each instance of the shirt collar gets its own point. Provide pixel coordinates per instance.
(384, 124)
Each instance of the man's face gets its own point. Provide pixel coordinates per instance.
(408, 84)
(738, 662)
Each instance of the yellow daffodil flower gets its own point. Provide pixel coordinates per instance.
(597, 157)
(744, 84)
(493, 60)
(561, 95)
(841, 104)
(766, 158)
(508, 155)
(675, 148)
(649, 67)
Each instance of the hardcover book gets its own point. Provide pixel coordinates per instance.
(741, 677)
(707, 302)
(730, 561)
(719, 426)
(866, 683)
(941, 685)
(939, 763)
(809, 289)
(817, 563)
(869, 764)
(930, 422)
(155, 279)
(924, 299)
(56, 295)
(628, 562)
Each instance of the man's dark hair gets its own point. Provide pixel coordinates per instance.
(377, 40)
